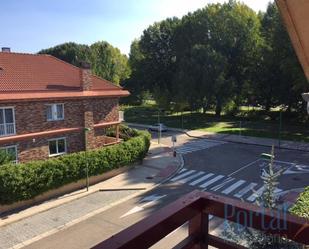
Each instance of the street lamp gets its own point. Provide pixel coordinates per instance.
(86, 130)
(306, 98)
(159, 127)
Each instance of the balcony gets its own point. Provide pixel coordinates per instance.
(7, 129)
(195, 209)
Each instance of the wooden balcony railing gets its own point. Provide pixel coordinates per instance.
(195, 208)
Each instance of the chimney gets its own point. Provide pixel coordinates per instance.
(86, 81)
(6, 49)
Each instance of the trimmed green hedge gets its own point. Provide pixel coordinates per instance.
(301, 207)
(27, 180)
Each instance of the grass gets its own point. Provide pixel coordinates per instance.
(254, 123)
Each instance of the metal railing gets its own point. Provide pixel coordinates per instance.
(7, 129)
(195, 209)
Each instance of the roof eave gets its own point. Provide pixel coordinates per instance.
(296, 19)
(7, 98)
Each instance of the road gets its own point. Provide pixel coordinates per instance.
(224, 168)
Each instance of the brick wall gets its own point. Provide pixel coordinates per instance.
(31, 117)
(38, 148)
(105, 110)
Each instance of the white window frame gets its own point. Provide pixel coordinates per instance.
(54, 112)
(5, 124)
(57, 139)
(16, 152)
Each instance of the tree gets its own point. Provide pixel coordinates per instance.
(231, 34)
(70, 52)
(107, 61)
(280, 79)
(135, 82)
(159, 61)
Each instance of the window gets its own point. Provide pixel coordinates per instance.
(55, 112)
(7, 121)
(57, 146)
(12, 151)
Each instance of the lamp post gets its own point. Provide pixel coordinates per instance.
(159, 127)
(86, 130)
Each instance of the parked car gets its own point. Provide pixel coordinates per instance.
(157, 126)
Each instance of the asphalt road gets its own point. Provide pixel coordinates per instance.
(223, 168)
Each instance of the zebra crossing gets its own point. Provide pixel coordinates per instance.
(196, 145)
(208, 181)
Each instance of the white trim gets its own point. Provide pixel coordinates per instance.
(16, 152)
(14, 123)
(57, 139)
(54, 109)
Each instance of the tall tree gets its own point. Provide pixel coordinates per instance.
(232, 33)
(280, 77)
(70, 52)
(107, 61)
(135, 82)
(158, 67)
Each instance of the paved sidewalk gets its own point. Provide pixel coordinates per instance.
(23, 228)
(284, 144)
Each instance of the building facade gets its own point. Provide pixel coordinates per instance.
(49, 108)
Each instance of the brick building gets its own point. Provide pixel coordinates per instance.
(46, 105)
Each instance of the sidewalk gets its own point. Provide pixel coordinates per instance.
(25, 227)
(284, 144)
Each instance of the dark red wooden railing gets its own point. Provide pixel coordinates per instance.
(196, 208)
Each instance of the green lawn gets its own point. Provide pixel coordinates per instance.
(252, 123)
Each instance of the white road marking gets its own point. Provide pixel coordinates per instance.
(211, 181)
(148, 199)
(185, 180)
(201, 179)
(246, 166)
(197, 145)
(245, 190)
(182, 175)
(256, 194)
(221, 185)
(151, 198)
(182, 170)
(233, 187)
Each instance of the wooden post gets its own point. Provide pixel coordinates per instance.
(117, 132)
(199, 228)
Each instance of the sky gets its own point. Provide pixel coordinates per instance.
(31, 25)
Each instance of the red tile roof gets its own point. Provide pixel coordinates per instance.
(45, 76)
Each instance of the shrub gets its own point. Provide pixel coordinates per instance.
(125, 132)
(5, 157)
(301, 207)
(27, 180)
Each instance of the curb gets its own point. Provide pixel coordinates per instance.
(248, 143)
(89, 215)
(185, 131)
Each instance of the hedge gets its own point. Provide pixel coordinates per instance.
(301, 207)
(27, 180)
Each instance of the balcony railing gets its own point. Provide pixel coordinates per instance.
(195, 208)
(7, 129)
